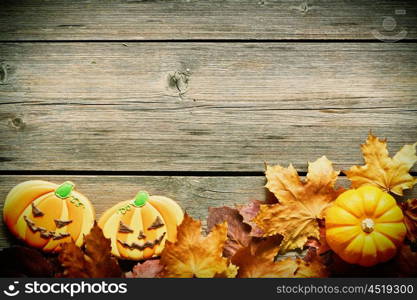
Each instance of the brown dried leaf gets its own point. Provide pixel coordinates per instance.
(320, 244)
(301, 204)
(389, 174)
(73, 261)
(21, 261)
(406, 262)
(409, 208)
(193, 255)
(148, 269)
(248, 212)
(257, 261)
(95, 262)
(310, 269)
(237, 231)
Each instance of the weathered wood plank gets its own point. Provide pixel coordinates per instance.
(194, 194)
(114, 107)
(201, 107)
(201, 19)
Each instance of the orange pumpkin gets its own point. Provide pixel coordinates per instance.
(138, 228)
(45, 215)
(365, 226)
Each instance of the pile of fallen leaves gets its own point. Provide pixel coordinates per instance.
(282, 238)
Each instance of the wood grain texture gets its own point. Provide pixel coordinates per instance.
(194, 194)
(201, 19)
(201, 107)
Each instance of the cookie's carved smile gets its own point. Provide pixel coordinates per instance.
(44, 233)
(142, 247)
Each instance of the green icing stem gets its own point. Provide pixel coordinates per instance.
(141, 199)
(64, 190)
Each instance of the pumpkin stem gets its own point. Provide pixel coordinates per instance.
(64, 190)
(368, 225)
(141, 199)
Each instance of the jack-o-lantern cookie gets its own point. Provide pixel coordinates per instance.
(45, 215)
(138, 228)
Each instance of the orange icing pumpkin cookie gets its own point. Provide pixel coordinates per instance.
(45, 215)
(138, 228)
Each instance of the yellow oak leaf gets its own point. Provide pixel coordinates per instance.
(257, 261)
(193, 255)
(389, 174)
(301, 203)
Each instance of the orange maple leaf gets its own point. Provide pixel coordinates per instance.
(301, 203)
(93, 261)
(389, 174)
(257, 261)
(193, 255)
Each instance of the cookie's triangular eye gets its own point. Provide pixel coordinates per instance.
(62, 223)
(156, 224)
(36, 211)
(123, 228)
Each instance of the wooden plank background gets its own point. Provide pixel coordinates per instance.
(202, 19)
(196, 95)
(109, 106)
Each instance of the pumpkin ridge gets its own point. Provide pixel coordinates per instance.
(381, 203)
(345, 205)
(377, 216)
(52, 244)
(73, 228)
(136, 224)
(350, 213)
(391, 238)
(126, 219)
(110, 231)
(153, 234)
(362, 252)
(378, 242)
(346, 243)
(351, 245)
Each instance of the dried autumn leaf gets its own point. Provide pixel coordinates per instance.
(21, 261)
(237, 231)
(301, 204)
(257, 261)
(310, 269)
(389, 174)
(320, 245)
(409, 208)
(193, 255)
(72, 260)
(95, 261)
(248, 212)
(148, 269)
(406, 262)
